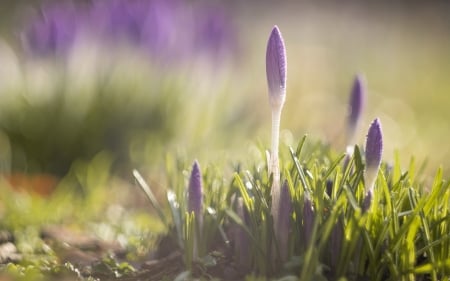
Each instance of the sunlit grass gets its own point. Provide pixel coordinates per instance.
(402, 235)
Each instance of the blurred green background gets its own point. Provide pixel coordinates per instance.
(214, 109)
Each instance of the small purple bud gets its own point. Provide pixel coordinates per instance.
(308, 220)
(374, 145)
(374, 149)
(367, 201)
(356, 104)
(195, 191)
(329, 187)
(348, 155)
(276, 68)
(284, 222)
(337, 234)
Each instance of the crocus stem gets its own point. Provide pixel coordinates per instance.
(274, 162)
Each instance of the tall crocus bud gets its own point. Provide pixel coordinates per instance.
(356, 105)
(284, 222)
(374, 149)
(195, 191)
(276, 79)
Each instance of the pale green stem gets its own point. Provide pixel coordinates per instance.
(274, 167)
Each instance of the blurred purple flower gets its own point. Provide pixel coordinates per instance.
(336, 236)
(374, 150)
(116, 19)
(195, 191)
(53, 32)
(284, 222)
(276, 68)
(356, 105)
(147, 24)
(214, 31)
(164, 28)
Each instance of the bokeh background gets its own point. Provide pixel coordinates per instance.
(140, 79)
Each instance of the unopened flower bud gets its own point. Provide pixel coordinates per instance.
(195, 191)
(276, 68)
(374, 150)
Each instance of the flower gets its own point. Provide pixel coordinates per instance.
(195, 191)
(374, 150)
(214, 33)
(276, 79)
(367, 201)
(53, 32)
(329, 187)
(356, 105)
(166, 29)
(336, 237)
(276, 68)
(145, 24)
(283, 227)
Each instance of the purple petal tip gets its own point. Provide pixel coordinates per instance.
(276, 68)
(195, 190)
(374, 145)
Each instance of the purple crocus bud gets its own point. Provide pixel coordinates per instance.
(356, 105)
(276, 78)
(374, 149)
(308, 220)
(195, 203)
(53, 32)
(195, 191)
(276, 69)
(284, 222)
